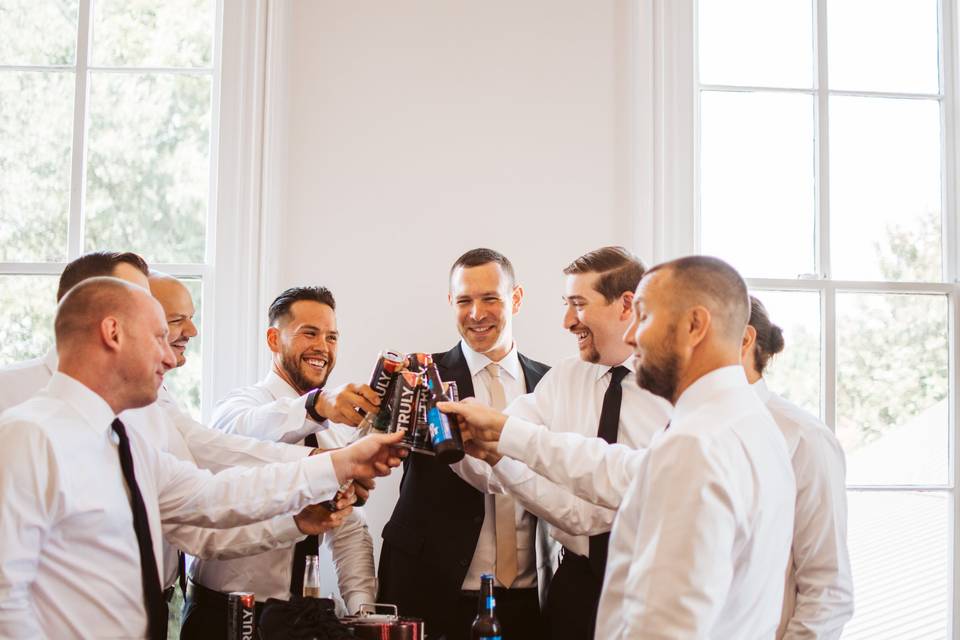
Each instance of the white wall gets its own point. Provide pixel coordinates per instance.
(400, 134)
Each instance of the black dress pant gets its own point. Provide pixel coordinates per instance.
(205, 614)
(572, 599)
(518, 611)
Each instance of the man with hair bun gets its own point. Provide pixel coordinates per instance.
(818, 595)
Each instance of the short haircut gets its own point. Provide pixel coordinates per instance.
(280, 307)
(711, 282)
(769, 336)
(620, 271)
(86, 304)
(97, 263)
(481, 256)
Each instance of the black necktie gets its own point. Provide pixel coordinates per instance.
(309, 546)
(152, 593)
(609, 421)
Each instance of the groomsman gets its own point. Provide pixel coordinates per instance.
(443, 533)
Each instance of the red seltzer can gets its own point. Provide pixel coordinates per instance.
(241, 625)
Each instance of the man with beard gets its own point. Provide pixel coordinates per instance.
(701, 539)
(594, 395)
(173, 431)
(292, 404)
(444, 534)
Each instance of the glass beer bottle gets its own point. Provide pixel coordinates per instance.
(311, 577)
(485, 625)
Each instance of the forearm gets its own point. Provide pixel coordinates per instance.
(216, 451)
(352, 550)
(237, 542)
(283, 420)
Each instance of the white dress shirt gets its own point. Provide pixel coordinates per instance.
(170, 429)
(69, 559)
(273, 409)
(700, 543)
(818, 596)
(569, 398)
(485, 555)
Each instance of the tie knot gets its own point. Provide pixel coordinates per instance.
(493, 369)
(618, 373)
(118, 428)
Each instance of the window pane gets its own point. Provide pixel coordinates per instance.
(36, 124)
(885, 189)
(38, 31)
(888, 46)
(732, 32)
(149, 165)
(184, 382)
(795, 372)
(757, 181)
(899, 549)
(892, 377)
(153, 33)
(27, 306)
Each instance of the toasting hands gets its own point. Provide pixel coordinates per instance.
(480, 426)
(342, 403)
(371, 456)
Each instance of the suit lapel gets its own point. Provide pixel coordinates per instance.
(455, 365)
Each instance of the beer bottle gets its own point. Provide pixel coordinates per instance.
(485, 625)
(444, 430)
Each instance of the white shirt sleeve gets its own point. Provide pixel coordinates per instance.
(28, 510)
(551, 502)
(352, 550)
(282, 420)
(237, 542)
(591, 468)
(682, 563)
(241, 495)
(216, 451)
(824, 582)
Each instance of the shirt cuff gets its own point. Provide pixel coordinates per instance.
(322, 476)
(286, 531)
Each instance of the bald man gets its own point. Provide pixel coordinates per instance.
(83, 497)
(702, 533)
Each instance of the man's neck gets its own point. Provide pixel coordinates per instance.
(97, 379)
(283, 375)
(701, 367)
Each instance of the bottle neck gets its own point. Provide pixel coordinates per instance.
(487, 602)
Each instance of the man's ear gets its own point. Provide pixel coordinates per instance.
(746, 346)
(626, 305)
(516, 298)
(273, 339)
(697, 324)
(110, 333)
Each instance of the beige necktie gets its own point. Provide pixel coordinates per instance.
(505, 512)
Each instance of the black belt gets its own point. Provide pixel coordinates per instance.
(202, 596)
(503, 594)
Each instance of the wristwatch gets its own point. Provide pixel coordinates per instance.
(312, 406)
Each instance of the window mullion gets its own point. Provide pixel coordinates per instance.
(78, 148)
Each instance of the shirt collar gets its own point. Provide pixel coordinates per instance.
(476, 362)
(50, 359)
(601, 370)
(760, 386)
(92, 408)
(717, 381)
(279, 387)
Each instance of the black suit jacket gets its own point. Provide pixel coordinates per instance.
(431, 537)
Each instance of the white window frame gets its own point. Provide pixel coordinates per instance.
(666, 90)
(82, 68)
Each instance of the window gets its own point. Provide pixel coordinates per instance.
(106, 130)
(824, 157)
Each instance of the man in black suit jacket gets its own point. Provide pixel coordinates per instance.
(428, 565)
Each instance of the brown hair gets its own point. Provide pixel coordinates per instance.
(769, 336)
(97, 263)
(280, 307)
(481, 256)
(620, 271)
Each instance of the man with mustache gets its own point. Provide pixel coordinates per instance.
(443, 533)
(702, 535)
(291, 404)
(594, 394)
